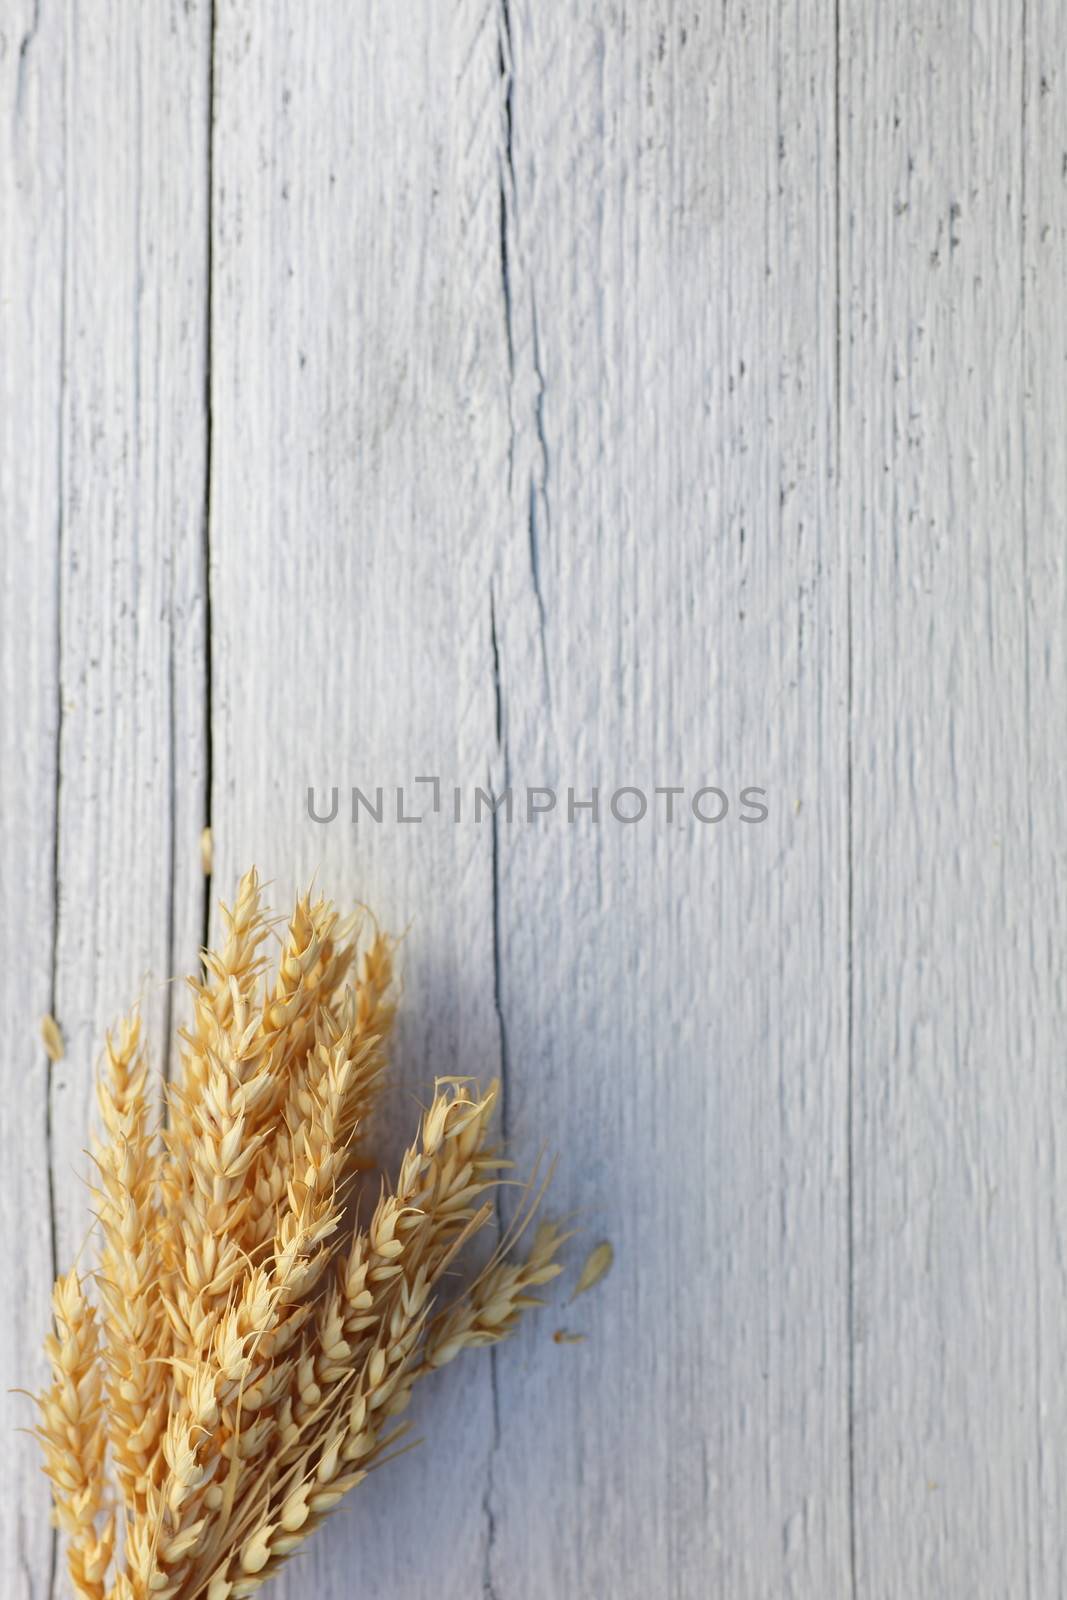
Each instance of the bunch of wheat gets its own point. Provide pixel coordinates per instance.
(251, 1339)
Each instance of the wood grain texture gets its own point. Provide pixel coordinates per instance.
(104, 492)
(132, 748)
(31, 299)
(1044, 333)
(682, 1030)
(957, 1400)
(581, 396)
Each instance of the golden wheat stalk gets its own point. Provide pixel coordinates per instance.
(252, 1341)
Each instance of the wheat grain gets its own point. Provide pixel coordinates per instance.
(253, 1340)
(52, 1038)
(596, 1266)
(135, 1329)
(72, 1434)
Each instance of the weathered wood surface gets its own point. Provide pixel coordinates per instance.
(574, 396)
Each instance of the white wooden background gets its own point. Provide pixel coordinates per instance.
(581, 393)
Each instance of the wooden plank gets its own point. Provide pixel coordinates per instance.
(674, 996)
(130, 558)
(31, 297)
(949, 1151)
(105, 427)
(359, 479)
(1039, 1046)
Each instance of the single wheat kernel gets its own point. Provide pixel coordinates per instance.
(53, 1038)
(597, 1265)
